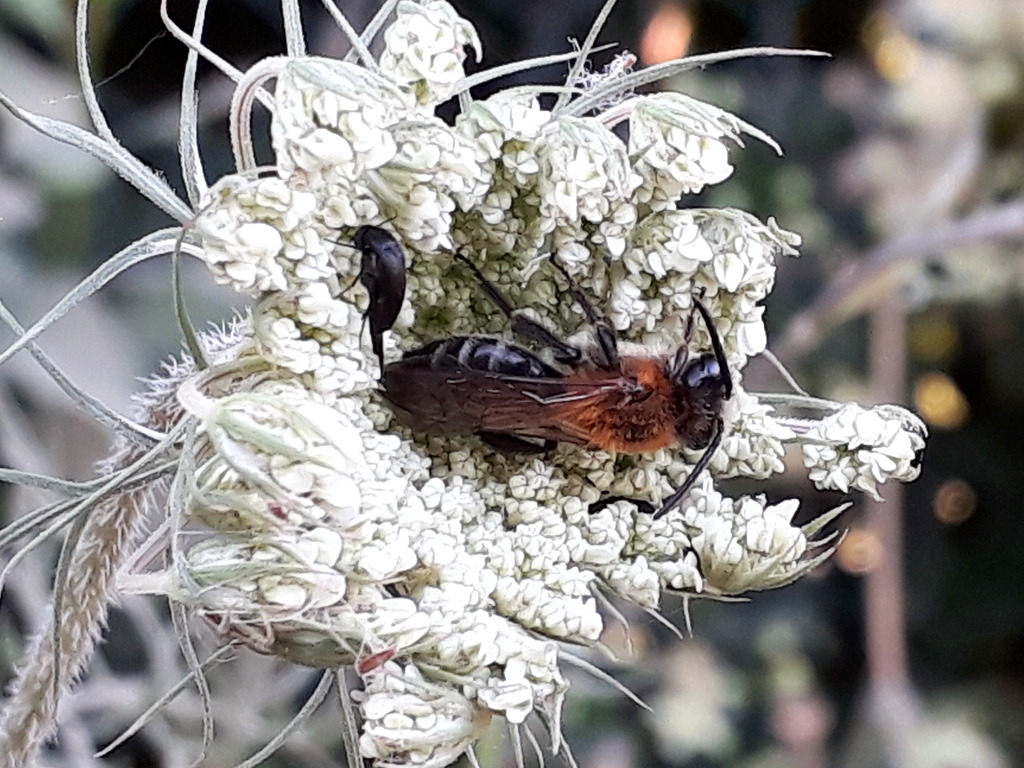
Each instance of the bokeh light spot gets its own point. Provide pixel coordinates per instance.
(668, 34)
(894, 54)
(954, 502)
(860, 552)
(940, 402)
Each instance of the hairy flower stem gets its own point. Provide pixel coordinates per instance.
(63, 647)
(31, 712)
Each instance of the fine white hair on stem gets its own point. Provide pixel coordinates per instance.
(240, 113)
(358, 43)
(29, 716)
(600, 674)
(294, 37)
(192, 172)
(99, 120)
(218, 656)
(585, 50)
(155, 244)
(111, 154)
(209, 55)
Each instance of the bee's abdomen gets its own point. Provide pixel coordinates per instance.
(482, 354)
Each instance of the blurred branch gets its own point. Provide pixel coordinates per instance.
(865, 283)
(891, 696)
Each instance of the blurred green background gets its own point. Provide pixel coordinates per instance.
(903, 171)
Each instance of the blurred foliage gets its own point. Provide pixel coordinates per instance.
(915, 124)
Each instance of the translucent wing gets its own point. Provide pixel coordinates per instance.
(467, 401)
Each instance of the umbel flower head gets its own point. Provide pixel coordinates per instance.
(322, 531)
(339, 532)
(344, 536)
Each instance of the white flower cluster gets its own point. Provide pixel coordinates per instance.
(860, 448)
(444, 571)
(755, 446)
(749, 544)
(727, 255)
(681, 144)
(424, 50)
(402, 711)
(333, 538)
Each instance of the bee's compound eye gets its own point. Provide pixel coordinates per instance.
(702, 371)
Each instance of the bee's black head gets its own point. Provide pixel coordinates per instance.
(701, 386)
(708, 375)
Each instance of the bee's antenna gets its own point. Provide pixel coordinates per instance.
(495, 295)
(355, 279)
(716, 345)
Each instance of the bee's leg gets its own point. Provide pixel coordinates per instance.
(525, 326)
(603, 331)
(376, 341)
(642, 505)
(512, 444)
(699, 467)
(682, 355)
(688, 331)
(377, 344)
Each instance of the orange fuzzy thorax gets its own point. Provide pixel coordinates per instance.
(638, 417)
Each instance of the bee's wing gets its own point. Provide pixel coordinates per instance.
(465, 401)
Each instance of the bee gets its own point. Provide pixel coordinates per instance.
(635, 401)
(382, 273)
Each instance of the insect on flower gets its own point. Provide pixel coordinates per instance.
(382, 273)
(636, 401)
